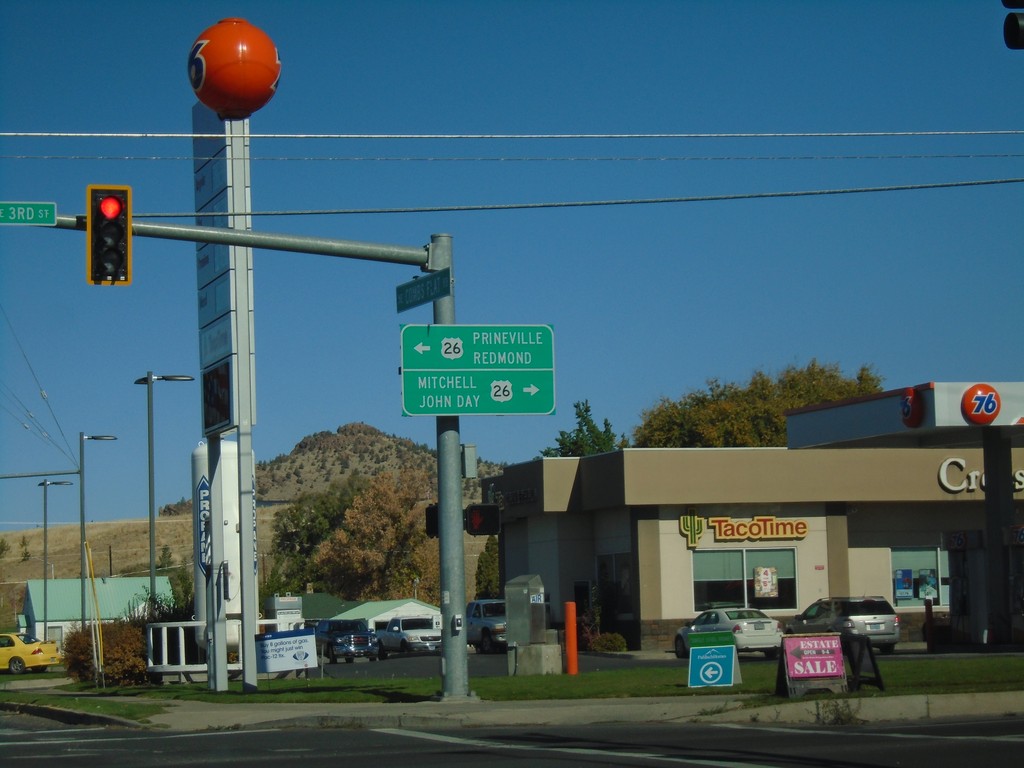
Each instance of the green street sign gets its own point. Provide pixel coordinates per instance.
(29, 214)
(431, 287)
(478, 370)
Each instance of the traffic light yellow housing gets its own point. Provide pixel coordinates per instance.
(108, 235)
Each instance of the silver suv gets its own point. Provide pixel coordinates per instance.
(871, 617)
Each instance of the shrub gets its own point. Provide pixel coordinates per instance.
(608, 642)
(124, 654)
(77, 649)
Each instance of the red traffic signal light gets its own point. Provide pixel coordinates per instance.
(483, 520)
(108, 235)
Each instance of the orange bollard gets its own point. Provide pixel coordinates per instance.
(571, 657)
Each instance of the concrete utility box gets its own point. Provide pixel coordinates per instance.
(285, 608)
(533, 649)
(525, 610)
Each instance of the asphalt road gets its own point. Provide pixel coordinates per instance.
(907, 745)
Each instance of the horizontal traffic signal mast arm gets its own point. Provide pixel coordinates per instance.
(271, 241)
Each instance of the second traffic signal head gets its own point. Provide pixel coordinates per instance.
(1013, 26)
(483, 520)
(431, 521)
(108, 235)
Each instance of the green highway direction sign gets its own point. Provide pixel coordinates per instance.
(34, 214)
(478, 370)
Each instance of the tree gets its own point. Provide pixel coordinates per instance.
(166, 560)
(586, 439)
(730, 415)
(302, 527)
(488, 577)
(383, 546)
(182, 587)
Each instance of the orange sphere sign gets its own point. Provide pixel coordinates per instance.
(234, 68)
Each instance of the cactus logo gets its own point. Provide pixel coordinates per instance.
(691, 527)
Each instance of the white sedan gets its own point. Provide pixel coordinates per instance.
(751, 629)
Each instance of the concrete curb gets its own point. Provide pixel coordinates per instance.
(883, 709)
(66, 716)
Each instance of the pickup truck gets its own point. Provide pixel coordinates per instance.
(345, 639)
(409, 633)
(486, 625)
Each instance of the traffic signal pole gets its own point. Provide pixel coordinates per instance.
(454, 654)
(270, 241)
(431, 258)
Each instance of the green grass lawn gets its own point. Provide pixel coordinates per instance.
(903, 677)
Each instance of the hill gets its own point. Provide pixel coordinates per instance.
(326, 457)
(122, 547)
(323, 458)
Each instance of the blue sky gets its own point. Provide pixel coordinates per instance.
(647, 300)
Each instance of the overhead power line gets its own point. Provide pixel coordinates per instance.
(596, 203)
(541, 159)
(510, 136)
(25, 415)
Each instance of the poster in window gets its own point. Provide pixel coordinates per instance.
(904, 583)
(766, 581)
(928, 584)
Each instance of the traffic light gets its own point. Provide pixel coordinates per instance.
(108, 235)
(483, 520)
(432, 521)
(1013, 26)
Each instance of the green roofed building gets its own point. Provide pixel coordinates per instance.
(117, 598)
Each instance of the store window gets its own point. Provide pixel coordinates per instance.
(750, 578)
(920, 573)
(614, 581)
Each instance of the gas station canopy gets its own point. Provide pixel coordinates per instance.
(926, 416)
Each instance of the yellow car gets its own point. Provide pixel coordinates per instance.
(21, 652)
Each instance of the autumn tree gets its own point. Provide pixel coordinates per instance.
(383, 546)
(731, 415)
(302, 527)
(587, 439)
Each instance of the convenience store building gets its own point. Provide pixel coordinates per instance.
(658, 535)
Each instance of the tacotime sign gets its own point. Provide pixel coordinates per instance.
(760, 528)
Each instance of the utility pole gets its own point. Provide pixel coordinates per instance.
(454, 657)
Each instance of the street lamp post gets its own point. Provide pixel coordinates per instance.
(82, 437)
(148, 380)
(46, 554)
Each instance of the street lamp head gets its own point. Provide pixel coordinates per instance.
(99, 437)
(46, 483)
(170, 377)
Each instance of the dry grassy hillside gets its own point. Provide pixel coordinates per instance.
(122, 547)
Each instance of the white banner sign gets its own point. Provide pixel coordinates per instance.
(285, 651)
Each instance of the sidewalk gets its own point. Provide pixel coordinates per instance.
(680, 709)
(466, 713)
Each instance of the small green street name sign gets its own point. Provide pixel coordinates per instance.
(431, 287)
(31, 214)
(478, 370)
